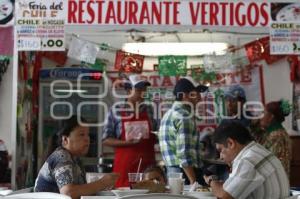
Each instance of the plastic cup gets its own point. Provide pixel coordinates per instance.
(135, 177)
(92, 177)
(176, 185)
(175, 175)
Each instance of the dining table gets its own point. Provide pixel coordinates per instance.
(109, 195)
(115, 197)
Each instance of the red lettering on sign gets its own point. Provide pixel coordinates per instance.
(133, 7)
(231, 13)
(80, 12)
(240, 18)
(144, 14)
(223, 8)
(253, 8)
(119, 12)
(214, 10)
(167, 82)
(90, 11)
(100, 10)
(156, 12)
(194, 13)
(72, 8)
(264, 14)
(204, 13)
(154, 79)
(167, 3)
(175, 13)
(110, 13)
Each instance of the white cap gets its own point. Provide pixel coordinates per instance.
(137, 81)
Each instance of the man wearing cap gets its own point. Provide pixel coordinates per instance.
(235, 98)
(177, 135)
(128, 130)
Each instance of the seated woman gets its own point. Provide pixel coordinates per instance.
(274, 137)
(62, 171)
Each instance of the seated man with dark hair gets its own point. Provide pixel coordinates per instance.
(256, 172)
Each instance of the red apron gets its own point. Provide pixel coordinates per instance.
(127, 158)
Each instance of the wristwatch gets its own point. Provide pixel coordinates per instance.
(212, 178)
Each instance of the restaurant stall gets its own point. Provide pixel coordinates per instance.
(254, 44)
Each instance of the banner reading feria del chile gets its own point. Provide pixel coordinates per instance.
(172, 13)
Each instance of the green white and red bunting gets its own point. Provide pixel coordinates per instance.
(128, 62)
(172, 65)
(260, 50)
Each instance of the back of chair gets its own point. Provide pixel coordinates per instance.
(38, 195)
(293, 197)
(157, 196)
(25, 190)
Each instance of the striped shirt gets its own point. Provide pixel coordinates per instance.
(257, 174)
(178, 139)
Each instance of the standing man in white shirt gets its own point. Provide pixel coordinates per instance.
(256, 172)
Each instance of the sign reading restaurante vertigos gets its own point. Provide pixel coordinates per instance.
(285, 28)
(165, 12)
(40, 25)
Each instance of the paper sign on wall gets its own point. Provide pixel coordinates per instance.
(41, 19)
(285, 28)
(83, 50)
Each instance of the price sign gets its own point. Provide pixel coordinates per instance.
(29, 43)
(285, 38)
(44, 20)
(296, 47)
(52, 44)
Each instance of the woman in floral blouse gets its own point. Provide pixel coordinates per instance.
(274, 137)
(62, 171)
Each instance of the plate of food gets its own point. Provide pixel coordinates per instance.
(199, 192)
(126, 192)
(290, 12)
(151, 186)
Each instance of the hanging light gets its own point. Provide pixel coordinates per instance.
(189, 49)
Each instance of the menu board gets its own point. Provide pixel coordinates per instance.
(285, 28)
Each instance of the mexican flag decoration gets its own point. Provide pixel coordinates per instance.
(255, 51)
(128, 62)
(267, 56)
(172, 65)
(196, 71)
(260, 49)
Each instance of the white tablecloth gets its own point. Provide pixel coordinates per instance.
(98, 197)
(114, 197)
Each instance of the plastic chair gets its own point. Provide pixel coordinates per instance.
(157, 196)
(25, 190)
(38, 195)
(294, 197)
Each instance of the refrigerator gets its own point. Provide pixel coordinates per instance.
(62, 93)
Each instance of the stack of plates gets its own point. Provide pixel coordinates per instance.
(127, 192)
